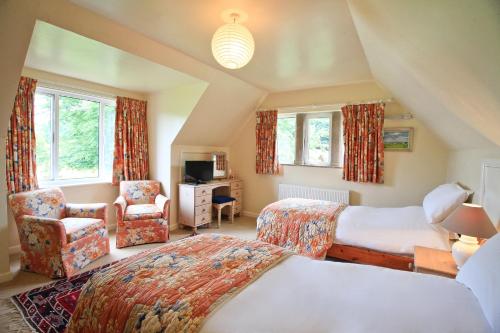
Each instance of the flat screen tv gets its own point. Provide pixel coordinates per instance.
(199, 171)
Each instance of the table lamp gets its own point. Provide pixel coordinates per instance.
(470, 221)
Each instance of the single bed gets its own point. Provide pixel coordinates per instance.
(379, 236)
(289, 293)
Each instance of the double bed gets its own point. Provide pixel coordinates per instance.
(252, 286)
(380, 236)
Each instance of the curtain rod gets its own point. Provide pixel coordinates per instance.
(327, 106)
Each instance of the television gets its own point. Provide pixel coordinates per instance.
(199, 171)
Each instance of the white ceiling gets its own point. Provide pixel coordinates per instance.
(62, 52)
(299, 44)
(441, 59)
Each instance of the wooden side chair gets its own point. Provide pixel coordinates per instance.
(221, 201)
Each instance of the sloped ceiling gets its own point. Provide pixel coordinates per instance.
(299, 44)
(441, 59)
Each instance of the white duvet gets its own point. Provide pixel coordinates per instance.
(394, 230)
(305, 295)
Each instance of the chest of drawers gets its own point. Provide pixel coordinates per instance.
(195, 201)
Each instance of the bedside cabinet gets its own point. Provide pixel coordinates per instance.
(436, 262)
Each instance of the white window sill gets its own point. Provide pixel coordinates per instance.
(313, 166)
(73, 182)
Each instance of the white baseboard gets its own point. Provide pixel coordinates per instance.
(14, 249)
(5, 277)
(250, 214)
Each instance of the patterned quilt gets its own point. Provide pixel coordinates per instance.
(172, 288)
(302, 225)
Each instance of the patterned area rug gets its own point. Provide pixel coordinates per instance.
(48, 309)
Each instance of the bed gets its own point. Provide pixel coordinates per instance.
(288, 293)
(379, 236)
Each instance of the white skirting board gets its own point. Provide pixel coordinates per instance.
(250, 214)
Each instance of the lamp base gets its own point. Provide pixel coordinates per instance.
(463, 249)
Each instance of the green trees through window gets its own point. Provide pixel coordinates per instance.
(75, 136)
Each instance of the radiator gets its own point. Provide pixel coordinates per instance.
(305, 192)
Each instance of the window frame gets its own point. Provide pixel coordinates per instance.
(56, 93)
(289, 115)
(305, 137)
(336, 137)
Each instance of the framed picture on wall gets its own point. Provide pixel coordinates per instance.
(398, 138)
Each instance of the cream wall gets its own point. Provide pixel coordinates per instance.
(167, 114)
(464, 166)
(408, 175)
(17, 19)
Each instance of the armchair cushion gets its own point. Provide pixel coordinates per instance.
(92, 210)
(142, 212)
(80, 227)
(140, 191)
(48, 203)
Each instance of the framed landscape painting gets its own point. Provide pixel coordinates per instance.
(398, 138)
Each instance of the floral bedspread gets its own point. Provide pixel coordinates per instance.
(302, 225)
(172, 288)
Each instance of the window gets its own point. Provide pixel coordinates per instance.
(312, 139)
(74, 136)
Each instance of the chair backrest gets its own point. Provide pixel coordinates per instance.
(42, 203)
(138, 192)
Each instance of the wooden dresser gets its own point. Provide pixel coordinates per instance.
(195, 201)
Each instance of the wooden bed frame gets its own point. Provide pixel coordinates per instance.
(371, 257)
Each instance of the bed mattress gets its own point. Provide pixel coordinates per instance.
(393, 230)
(305, 295)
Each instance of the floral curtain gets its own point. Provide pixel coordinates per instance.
(364, 143)
(21, 143)
(266, 133)
(131, 157)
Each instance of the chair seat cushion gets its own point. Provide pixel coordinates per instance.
(220, 199)
(142, 212)
(79, 227)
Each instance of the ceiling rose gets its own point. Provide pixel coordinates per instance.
(232, 43)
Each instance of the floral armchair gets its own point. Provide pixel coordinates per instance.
(141, 213)
(58, 238)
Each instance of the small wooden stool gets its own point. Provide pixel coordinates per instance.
(219, 207)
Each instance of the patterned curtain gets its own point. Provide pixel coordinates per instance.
(131, 158)
(266, 133)
(364, 143)
(220, 162)
(21, 143)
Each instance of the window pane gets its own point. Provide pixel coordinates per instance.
(318, 141)
(109, 139)
(78, 138)
(43, 134)
(286, 140)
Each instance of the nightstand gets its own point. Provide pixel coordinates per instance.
(432, 261)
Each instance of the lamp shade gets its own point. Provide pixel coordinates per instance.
(470, 220)
(233, 45)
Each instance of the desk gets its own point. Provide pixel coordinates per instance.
(195, 201)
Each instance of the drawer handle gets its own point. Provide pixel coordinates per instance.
(204, 210)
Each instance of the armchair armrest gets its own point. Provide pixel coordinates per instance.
(92, 210)
(120, 205)
(163, 203)
(42, 232)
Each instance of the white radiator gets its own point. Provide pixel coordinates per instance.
(296, 191)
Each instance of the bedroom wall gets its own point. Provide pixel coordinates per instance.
(167, 114)
(464, 166)
(408, 175)
(17, 18)
(82, 193)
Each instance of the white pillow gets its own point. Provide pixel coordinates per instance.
(481, 273)
(444, 199)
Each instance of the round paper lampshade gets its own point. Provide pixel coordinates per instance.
(233, 45)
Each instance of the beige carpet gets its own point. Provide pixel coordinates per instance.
(243, 227)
